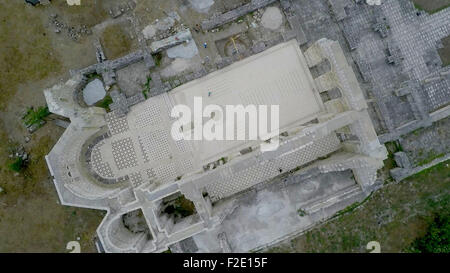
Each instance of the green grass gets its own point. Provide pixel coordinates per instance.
(181, 207)
(418, 7)
(105, 102)
(352, 207)
(35, 116)
(392, 147)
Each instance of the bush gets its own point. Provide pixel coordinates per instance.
(105, 102)
(437, 238)
(35, 116)
(17, 165)
(158, 58)
(181, 207)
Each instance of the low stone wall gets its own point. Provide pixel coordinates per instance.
(401, 173)
(232, 15)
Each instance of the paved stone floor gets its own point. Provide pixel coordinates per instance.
(415, 35)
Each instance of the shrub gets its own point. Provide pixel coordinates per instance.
(17, 165)
(437, 238)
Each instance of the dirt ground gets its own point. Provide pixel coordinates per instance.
(116, 41)
(394, 216)
(33, 58)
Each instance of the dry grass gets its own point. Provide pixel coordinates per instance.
(431, 6)
(31, 218)
(25, 52)
(116, 41)
(90, 12)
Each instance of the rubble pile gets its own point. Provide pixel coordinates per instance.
(74, 32)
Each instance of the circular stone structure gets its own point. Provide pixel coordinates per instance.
(93, 92)
(272, 18)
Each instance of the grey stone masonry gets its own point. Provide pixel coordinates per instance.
(338, 8)
(121, 104)
(107, 68)
(395, 49)
(232, 15)
(402, 160)
(179, 38)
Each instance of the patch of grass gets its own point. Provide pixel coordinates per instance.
(147, 87)
(240, 19)
(431, 156)
(89, 13)
(418, 7)
(437, 238)
(116, 41)
(444, 52)
(30, 213)
(389, 163)
(391, 147)
(93, 76)
(184, 206)
(35, 116)
(417, 131)
(158, 58)
(26, 53)
(17, 165)
(105, 102)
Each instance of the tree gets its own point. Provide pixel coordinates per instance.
(437, 238)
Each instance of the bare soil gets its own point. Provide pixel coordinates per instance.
(33, 58)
